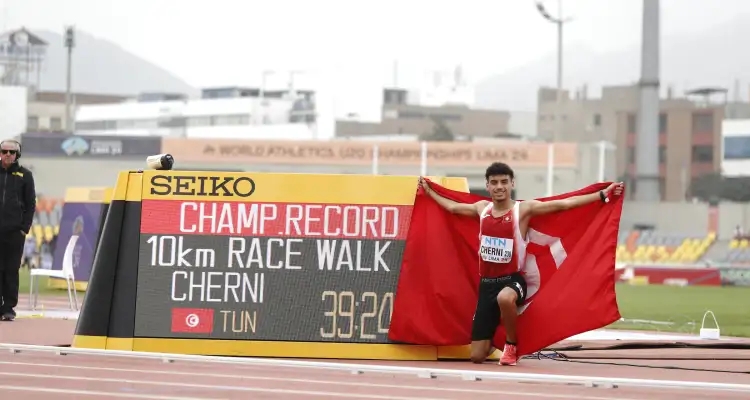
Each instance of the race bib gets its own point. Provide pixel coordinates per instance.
(496, 250)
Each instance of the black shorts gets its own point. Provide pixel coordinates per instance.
(487, 313)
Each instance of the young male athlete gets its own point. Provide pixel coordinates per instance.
(503, 227)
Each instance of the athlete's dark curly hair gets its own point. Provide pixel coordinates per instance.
(498, 168)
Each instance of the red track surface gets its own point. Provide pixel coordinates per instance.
(32, 376)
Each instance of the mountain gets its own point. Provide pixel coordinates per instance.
(102, 67)
(715, 57)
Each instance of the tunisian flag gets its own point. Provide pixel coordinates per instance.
(570, 272)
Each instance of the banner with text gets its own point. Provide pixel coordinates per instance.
(347, 152)
(285, 257)
(44, 144)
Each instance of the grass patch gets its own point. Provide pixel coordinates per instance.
(24, 280)
(684, 308)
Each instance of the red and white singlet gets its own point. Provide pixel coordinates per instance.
(502, 248)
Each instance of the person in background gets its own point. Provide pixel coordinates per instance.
(29, 252)
(17, 207)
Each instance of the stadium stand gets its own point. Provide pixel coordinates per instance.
(649, 246)
(46, 223)
(738, 252)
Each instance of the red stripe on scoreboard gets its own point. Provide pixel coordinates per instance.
(350, 221)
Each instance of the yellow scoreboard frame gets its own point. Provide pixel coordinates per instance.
(108, 315)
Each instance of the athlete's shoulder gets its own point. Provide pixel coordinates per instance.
(481, 206)
(525, 207)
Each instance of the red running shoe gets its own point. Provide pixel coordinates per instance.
(510, 356)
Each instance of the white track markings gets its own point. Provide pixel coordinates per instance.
(315, 381)
(185, 385)
(95, 393)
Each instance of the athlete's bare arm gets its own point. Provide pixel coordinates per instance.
(536, 207)
(471, 210)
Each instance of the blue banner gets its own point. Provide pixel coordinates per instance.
(83, 219)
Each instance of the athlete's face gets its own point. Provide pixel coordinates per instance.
(500, 186)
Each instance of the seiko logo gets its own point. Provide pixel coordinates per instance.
(190, 185)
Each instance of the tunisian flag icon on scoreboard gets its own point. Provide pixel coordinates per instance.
(192, 320)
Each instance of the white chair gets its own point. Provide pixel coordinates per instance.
(66, 272)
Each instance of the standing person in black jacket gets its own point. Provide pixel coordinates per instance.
(17, 207)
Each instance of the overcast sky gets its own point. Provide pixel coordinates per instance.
(228, 42)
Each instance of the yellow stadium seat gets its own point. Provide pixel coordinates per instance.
(48, 232)
(57, 229)
(689, 250)
(743, 243)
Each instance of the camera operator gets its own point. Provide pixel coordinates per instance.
(17, 207)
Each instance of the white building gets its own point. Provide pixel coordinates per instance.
(13, 111)
(735, 147)
(216, 115)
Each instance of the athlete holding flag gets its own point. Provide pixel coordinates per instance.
(503, 235)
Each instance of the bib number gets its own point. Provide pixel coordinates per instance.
(496, 250)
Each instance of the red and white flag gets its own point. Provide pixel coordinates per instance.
(570, 273)
(192, 320)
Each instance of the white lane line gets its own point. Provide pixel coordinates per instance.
(97, 393)
(312, 381)
(185, 385)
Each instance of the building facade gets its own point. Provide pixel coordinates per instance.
(46, 110)
(690, 133)
(215, 115)
(689, 147)
(402, 116)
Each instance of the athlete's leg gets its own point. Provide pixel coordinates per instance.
(480, 350)
(509, 298)
(508, 310)
(486, 320)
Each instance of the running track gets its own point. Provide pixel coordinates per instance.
(35, 376)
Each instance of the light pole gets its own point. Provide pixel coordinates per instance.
(559, 21)
(69, 42)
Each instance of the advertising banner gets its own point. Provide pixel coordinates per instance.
(739, 276)
(282, 257)
(348, 152)
(656, 275)
(63, 145)
(82, 215)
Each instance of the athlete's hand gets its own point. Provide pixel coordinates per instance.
(423, 184)
(615, 189)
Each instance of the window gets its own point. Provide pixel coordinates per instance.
(662, 188)
(91, 125)
(597, 119)
(446, 117)
(126, 124)
(737, 148)
(631, 123)
(55, 124)
(199, 121)
(145, 124)
(662, 123)
(174, 122)
(32, 122)
(703, 122)
(703, 154)
(410, 114)
(662, 154)
(224, 120)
